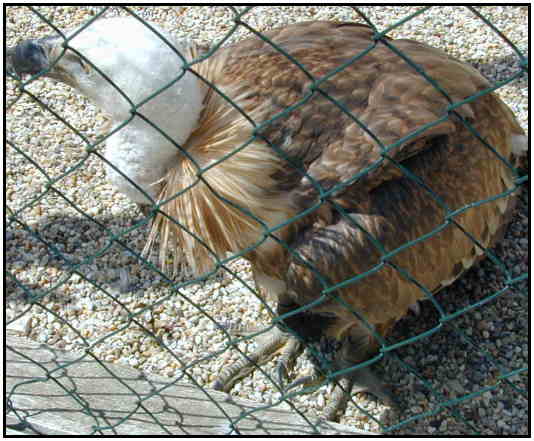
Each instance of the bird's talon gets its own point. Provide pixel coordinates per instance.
(271, 343)
(364, 380)
(281, 373)
(306, 381)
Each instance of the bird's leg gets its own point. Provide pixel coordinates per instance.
(360, 380)
(353, 350)
(273, 342)
(339, 398)
(289, 353)
(356, 348)
(314, 378)
(341, 393)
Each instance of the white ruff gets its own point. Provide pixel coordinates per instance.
(139, 63)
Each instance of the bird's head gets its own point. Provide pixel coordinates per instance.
(133, 71)
(116, 62)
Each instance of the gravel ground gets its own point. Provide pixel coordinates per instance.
(468, 354)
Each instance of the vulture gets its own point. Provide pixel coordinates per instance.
(346, 169)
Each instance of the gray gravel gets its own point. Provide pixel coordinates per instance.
(469, 353)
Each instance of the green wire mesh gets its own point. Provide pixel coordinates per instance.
(445, 322)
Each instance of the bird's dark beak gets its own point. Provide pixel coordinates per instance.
(27, 58)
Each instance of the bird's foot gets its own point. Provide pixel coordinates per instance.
(288, 347)
(360, 380)
(272, 343)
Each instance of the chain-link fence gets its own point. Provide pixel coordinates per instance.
(76, 278)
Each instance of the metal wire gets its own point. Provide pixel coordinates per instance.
(446, 320)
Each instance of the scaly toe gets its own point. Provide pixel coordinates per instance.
(306, 381)
(288, 355)
(271, 343)
(364, 380)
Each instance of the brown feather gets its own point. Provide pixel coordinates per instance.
(392, 100)
(228, 205)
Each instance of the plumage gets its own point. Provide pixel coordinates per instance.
(335, 151)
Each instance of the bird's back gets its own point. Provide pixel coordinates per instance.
(330, 135)
(375, 94)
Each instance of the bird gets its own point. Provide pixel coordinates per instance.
(357, 174)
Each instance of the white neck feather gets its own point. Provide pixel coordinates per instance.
(149, 83)
(141, 151)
